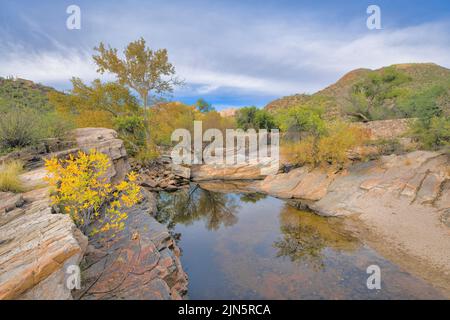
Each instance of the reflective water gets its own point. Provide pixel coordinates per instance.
(249, 246)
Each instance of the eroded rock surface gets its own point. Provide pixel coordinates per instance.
(105, 141)
(162, 175)
(139, 262)
(403, 201)
(244, 171)
(300, 183)
(36, 247)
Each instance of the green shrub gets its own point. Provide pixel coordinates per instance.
(424, 104)
(24, 93)
(254, 118)
(264, 120)
(21, 127)
(9, 177)
(432, 133)
(131, 130)
(52, 125)
(369, 98)
(302, 120)
(18, 128)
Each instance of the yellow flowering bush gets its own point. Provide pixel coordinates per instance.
(82, 190)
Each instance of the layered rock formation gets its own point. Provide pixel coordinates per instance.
(243, 170)
(403, 199)
(139, 262)
(37, 246)
(162, 175)
(300, 183)
(105, 141)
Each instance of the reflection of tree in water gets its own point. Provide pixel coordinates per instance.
(252, 197)
(301, 243)
(187, 206)
(305, 235)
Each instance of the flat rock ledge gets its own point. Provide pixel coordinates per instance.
(36, 247)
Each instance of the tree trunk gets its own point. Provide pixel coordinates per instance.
(146, 120)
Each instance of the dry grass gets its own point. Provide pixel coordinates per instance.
(9, 177)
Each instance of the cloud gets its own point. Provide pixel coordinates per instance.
(225, 50)
(48, 66)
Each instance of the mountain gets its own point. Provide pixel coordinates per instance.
(16, 92)
(390, 86)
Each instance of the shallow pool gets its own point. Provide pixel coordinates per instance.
(249, 246)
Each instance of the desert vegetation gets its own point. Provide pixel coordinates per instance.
(316, 130)
(26, 115)
(419, 92)
(9, 177)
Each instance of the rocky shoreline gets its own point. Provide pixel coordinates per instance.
(399, 203)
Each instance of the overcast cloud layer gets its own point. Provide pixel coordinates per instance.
(231, 53)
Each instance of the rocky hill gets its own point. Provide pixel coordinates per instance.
(411, 80)
(24, 93)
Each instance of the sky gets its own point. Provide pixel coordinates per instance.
(231, 53)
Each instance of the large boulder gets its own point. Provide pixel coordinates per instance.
(105, 141)
(300, 183)
(241, 171)
(415, 179)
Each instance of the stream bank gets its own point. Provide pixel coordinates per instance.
(245, 245)
(401, 204)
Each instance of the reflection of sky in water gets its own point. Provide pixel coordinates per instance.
(243, 247)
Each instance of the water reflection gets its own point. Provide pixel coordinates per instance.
(249, 246)
(252, 197)
(189, 205)
(304, 235)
